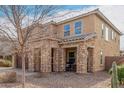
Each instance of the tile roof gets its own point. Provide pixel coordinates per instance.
(83, 37)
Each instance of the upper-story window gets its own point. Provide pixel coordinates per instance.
(67, 30)
(101, 57)
(106, 34)
(112, 34)
(102, 31)
(78, 27)
(115, 36)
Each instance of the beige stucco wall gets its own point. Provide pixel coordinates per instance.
(110, 48)
(87, 25)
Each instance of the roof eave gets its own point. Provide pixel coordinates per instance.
(96, 11)
(73, 18)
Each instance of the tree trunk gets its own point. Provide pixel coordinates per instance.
(23, 69)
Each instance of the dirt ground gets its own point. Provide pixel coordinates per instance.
(61, 80)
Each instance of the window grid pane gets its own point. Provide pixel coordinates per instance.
(102, 35)
(107, 34)
(66, 33)
(66, 30)
(101, 57)
(78, 28)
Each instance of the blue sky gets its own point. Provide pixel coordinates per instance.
(75, 7)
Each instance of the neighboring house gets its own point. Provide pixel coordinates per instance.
(77, 44)
(5, 47)
(122, 53)
(6, 51)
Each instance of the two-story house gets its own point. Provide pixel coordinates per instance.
(77, 44)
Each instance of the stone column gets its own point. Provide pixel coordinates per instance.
(82, 58)
(45, 57)
(62, 56)
(56, 59)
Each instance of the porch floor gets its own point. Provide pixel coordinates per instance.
(62, 80)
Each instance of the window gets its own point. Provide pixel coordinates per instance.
(106, 34)
(66, 30)
(101, 57)
(115, 36)
(77, 27)
(112, 34)
(102, 33)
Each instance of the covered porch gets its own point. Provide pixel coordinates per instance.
(77, 53)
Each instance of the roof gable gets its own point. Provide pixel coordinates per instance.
(98, 13)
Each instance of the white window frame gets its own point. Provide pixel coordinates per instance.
(82, 27)
(78, 27)
(115, 36)
(112, 34)
(106, 34)
(65, 31)
(101, 56)
(102, 32)
(102, 26)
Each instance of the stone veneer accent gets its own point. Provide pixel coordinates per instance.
(82, 58)
(59, 59)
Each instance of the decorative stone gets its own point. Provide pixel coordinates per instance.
(7, 76)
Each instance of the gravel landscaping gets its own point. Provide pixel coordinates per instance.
(62, 80)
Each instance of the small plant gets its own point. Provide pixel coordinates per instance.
(121, 73)
(114, 80)
(5, 63)
(8, 63)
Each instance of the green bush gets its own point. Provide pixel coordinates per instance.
(5, 63)
(121, 73)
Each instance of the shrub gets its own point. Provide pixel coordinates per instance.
(121, 73)
(5, 63)
(8, 63)
(7, 76)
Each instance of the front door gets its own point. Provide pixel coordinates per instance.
(37, 59)
(71, 58)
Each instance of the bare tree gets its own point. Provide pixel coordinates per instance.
(19, 22)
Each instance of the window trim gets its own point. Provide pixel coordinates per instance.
(115, 36)
(101, 56)
(102, 31)
(106, 33)
(112, 34)
(81, 27)
(65, 31)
